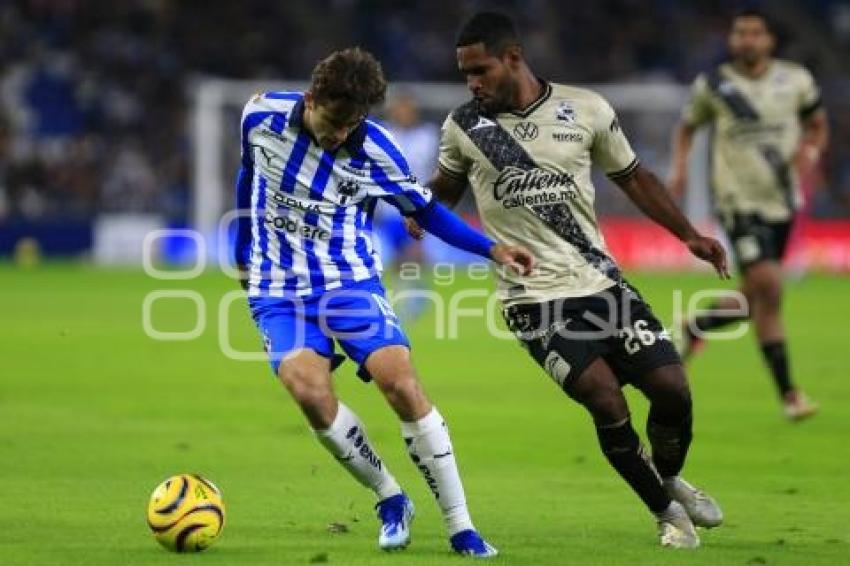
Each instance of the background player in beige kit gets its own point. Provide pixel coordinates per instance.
(767, 121)
(526, 147)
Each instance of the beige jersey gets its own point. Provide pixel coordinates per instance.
(530, 175)
(756, 129)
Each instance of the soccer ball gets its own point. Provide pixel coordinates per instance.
(186, 513)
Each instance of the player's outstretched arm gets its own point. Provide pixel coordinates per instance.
(647, 192)
(444, 224)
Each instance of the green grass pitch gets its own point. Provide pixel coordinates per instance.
(95, 414)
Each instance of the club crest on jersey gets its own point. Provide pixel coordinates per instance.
(346, 189)
(565, 112)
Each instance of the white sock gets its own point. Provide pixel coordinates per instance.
(346, 440)
(430, 448)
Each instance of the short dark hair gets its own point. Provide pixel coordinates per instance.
(494, 29)
(752, 12)
(352, 77)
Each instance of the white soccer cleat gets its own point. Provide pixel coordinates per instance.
(702, 509)
(396, 513)
(675, 528)
(797, 406)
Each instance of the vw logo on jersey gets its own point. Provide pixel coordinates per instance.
(526, 131)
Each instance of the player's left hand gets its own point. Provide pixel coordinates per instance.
(515, 257)
(710, 250)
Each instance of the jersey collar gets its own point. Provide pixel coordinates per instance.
(353, 144)
(545, 93)
(768, 71)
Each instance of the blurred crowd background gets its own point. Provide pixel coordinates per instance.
(94, 94)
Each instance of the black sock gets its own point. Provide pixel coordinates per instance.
(621, 446)
(777, 360)
(712, 320)
(670, 438)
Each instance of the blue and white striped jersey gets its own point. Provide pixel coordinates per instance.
(306, 213)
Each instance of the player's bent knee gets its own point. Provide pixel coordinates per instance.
(403, 392)
(668, 389)
(401, 386)
(682, 399)
(309, 394)
(606, 406)
(598, 390)
(308, 387)
(394, 374)
(293, 377)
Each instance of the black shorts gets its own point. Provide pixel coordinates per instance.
(755, 239)
(564, 336)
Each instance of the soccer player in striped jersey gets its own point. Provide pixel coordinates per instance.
(313, 168)
(768, 125)
(525, 147)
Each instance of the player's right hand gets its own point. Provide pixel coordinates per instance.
(515, 257)
(414, 229)
(711, 251)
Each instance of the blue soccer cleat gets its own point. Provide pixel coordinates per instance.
(396, 514)
(469, 543)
